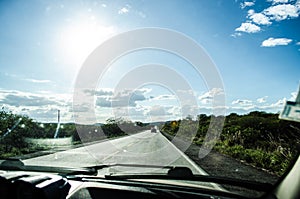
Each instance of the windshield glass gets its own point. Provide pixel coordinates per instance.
(196, 84)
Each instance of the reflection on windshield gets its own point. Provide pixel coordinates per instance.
(90, 83)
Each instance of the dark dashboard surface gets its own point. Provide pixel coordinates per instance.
(34, 185)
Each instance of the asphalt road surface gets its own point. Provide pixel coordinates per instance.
(143, 148)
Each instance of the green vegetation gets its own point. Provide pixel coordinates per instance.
(114, 127)
(14, 129)
(258, 138)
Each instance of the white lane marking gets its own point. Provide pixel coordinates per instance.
(116, 152)
(130, 144)
(127, 146)
(111, 155)
(201, 171)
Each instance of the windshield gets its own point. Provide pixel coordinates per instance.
(196, 84)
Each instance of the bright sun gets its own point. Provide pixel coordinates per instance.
(79, 40)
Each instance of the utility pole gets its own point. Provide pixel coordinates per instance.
(58, 124)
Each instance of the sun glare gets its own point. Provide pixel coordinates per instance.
(79, 40)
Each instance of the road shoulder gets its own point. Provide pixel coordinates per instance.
(218, 164)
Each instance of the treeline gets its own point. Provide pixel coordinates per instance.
(258, 138)
(14, 129)
(114, 127)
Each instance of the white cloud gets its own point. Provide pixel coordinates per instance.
(250, 12)
(164, 97)
(210, 94)
(278, 1)
(123, 10)
(242, 109)
(259, 18)
(236, 34)
(103, 102)
(247, 4)
(99, 92)
(279, 104)
(18, 98)
(262, 99)
(126, 98)
(298, 43)
(37, 80)
(298, 4)
(160, 113)
(31, 100)
(248, 27)
(207, 97)
(158, 110)
(186, 97)
(242, 102)
(42, 107)
(282, 12)
(271, 42)
(189, 110)
(244, 106)
(278, 11)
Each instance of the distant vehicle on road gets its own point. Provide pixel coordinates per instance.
(153, 130)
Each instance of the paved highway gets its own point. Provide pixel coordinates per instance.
(143, 148)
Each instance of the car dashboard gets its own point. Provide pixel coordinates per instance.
(36, 185)
(19, 184)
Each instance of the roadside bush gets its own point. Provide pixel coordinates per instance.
(275, 162)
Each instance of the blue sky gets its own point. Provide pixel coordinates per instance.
(254, 44)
